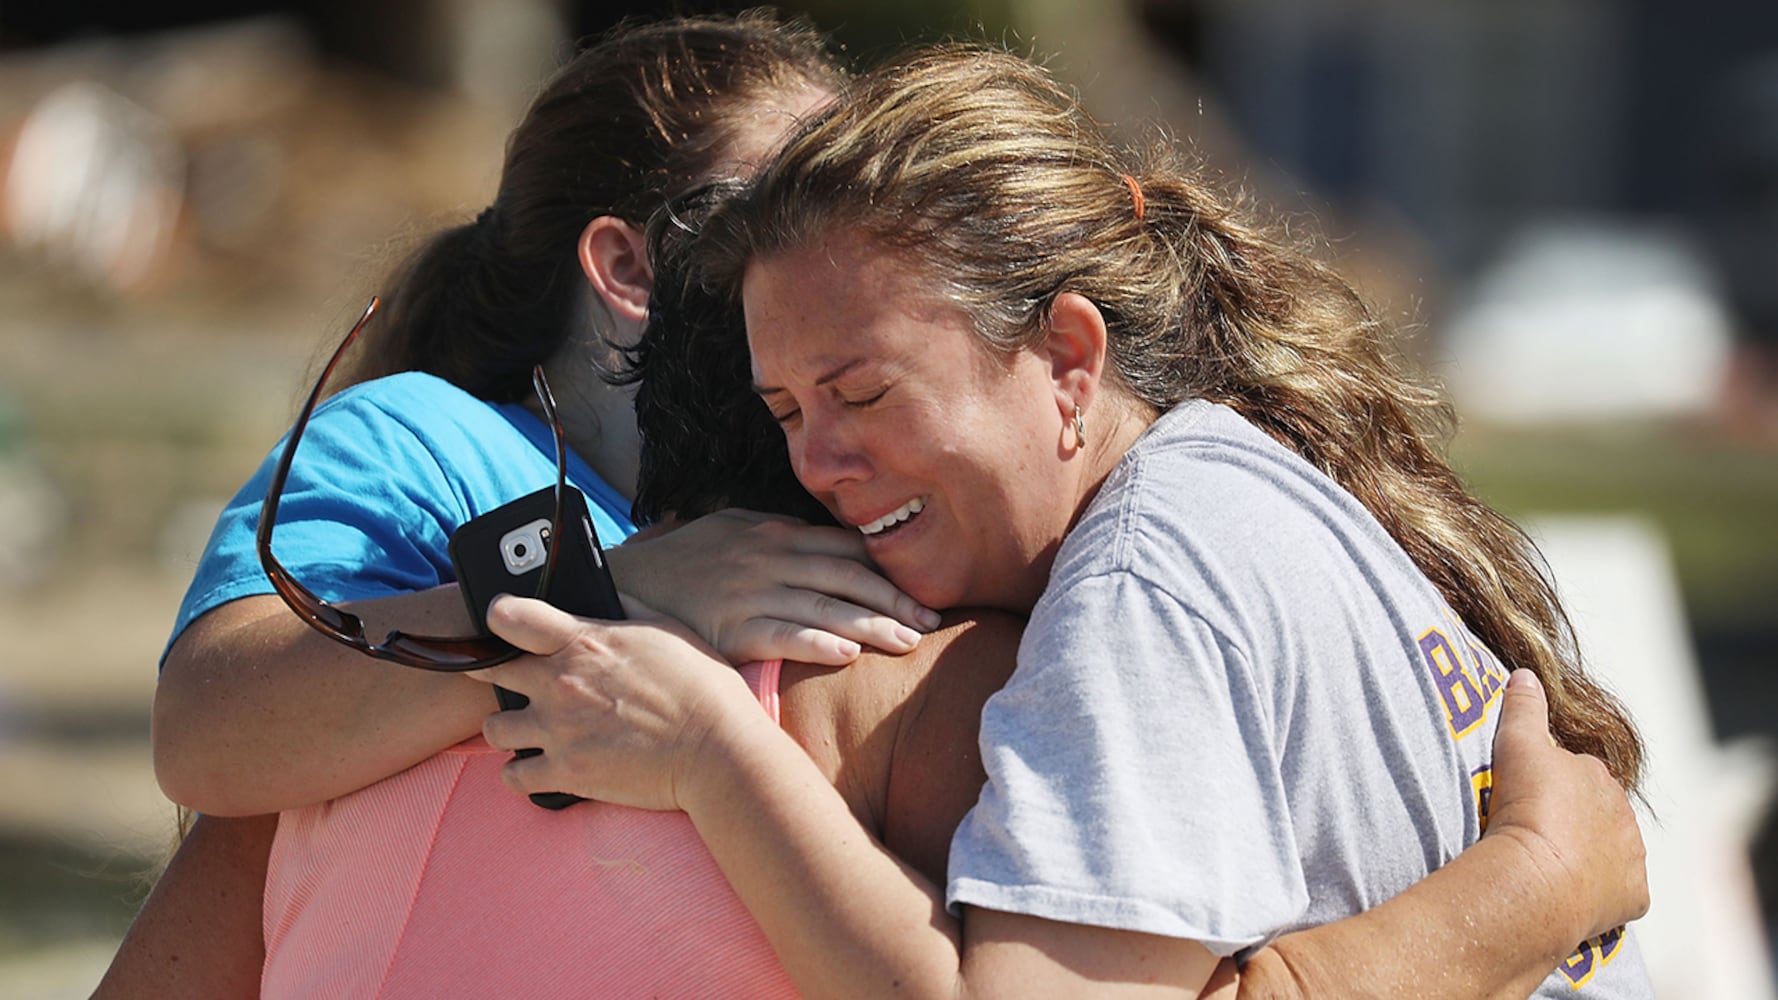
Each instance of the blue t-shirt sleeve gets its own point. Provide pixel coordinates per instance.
(385, 472)
(1132, 779)
(367, 512)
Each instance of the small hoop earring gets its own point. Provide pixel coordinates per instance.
(1080, 429)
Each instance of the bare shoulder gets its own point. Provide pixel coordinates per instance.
(897, 734)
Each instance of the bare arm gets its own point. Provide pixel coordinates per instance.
(847, 915)
(896, 734)
(256, 712)
(199, 933)
(1492, 923)
(1562, 861)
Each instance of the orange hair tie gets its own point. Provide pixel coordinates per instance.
(1135, 195)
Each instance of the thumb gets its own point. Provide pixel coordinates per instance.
(1524, 719)
(532, 625)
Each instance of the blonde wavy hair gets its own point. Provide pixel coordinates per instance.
(978, 168)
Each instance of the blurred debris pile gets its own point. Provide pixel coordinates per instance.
(181, 216)
(223, 161)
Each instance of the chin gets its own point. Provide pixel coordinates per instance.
(915, 579)
(939, 595)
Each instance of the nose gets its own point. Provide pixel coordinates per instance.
(825, 453)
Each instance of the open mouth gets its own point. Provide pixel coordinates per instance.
(893, 520)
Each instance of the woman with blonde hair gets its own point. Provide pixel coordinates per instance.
(1270, 631)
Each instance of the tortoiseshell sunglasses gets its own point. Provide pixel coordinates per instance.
(444, 653)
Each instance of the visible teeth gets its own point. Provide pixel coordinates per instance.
(894, 517)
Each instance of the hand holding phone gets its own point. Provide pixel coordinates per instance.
(503, 552)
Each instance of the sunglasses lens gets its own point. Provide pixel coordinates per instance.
(336, 620)
(446, 654)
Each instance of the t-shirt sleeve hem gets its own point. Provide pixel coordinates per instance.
(1096, 911)
(251, 585)
(197, 606)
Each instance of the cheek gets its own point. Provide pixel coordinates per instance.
(988, 444)
(994, 486)
(1024, 484)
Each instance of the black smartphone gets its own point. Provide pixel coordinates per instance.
(503, 552)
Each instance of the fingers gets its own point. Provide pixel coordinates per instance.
(816, 628)
(532, 625)
(768, 584)
(823, 611)
(833, 561)
(1567, 808)
(670, 687)
(1533, 778)
(1524, 689)
(525, 775)
(771, 639)
(857, 588)
(814, 539)
(512, 730)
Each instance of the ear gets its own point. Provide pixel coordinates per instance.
(614, 255)
(1075, 351)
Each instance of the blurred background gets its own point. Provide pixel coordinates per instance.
(1571, 204)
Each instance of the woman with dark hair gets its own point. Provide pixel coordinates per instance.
(438, 429)
(1270, 631)
(256, 712)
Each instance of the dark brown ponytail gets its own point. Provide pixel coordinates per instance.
(645, 114)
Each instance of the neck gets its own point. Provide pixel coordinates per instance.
(1118, 427)
(598, 420)
(1121, 426)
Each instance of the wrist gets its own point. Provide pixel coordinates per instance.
(1551, 895)
(727, 757)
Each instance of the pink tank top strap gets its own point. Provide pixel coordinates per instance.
(762, 676)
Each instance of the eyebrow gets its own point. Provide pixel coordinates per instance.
(765, 390)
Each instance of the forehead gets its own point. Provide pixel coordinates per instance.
(840, 298)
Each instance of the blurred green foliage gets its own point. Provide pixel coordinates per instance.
(1715, 499)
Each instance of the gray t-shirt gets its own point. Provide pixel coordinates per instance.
(1239, 709)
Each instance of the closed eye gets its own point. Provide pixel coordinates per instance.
(859, 404)
(766, 396)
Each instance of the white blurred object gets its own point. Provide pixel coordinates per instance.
(1615, 580)
(95, 183)
(1590, 321)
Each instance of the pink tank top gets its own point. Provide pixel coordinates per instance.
(439, 882)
